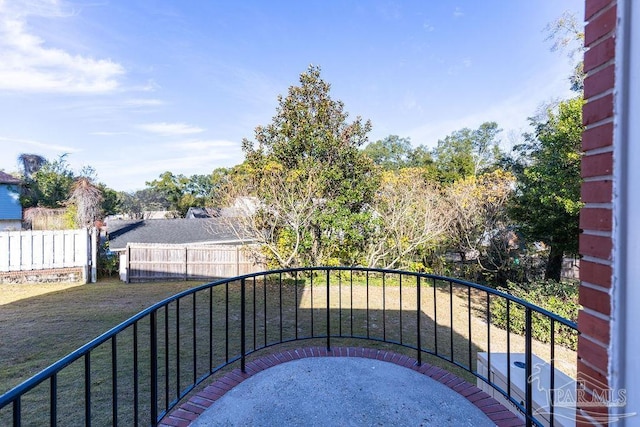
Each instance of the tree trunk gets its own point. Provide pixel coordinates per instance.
(554, 264)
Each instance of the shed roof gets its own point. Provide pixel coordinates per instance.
(5, 178)
(171, 231)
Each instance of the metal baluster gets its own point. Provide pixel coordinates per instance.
(53, 397)
(280, 299)
(328, 313)
(226, 322)
(528, 368)
(552, 374)
(401, 309)
(508, 347)
(255, 333)
(470, 349)
(136, 386)
(296, 298)
(114, 381)
(17, 412)
(418, 314)
(435, 317)
(367, 304)
(166, 356)
(384, 311)
(243, 320)
(178, 347)
(87, 389)
(153, 354)
(488, 334)
(211, 329)
(451, 318)
(194, 339)
(340, 303)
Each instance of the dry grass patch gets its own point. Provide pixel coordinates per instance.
(12, 292)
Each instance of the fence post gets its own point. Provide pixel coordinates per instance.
(94, 254)
(186, 263)
(5, 252)
(127, 271)
(237, 260)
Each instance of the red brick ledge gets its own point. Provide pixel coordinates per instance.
(197, 404)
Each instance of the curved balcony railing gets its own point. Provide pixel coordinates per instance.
(137, 372)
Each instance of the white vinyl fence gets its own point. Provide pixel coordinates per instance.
(47, 249)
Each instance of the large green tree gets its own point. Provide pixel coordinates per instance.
(50, 185)
(391, 153)
(310, 138)
(467, 152)
(181, 192)
(547, 201)
(394, 153)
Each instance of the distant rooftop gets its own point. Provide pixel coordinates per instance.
(5, 178)
(172, 231)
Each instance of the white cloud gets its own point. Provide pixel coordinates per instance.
(40, 145)
(170, 128)
(144, 102)
(29, 65)
(108, 133)
(202, 145)
(458, 12)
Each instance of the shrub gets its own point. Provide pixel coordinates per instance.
(108, 261)
(560, 298)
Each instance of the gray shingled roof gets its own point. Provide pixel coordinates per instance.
(5, 178)
(170, 231)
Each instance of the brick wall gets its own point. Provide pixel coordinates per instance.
(52, 275)
(597, 194)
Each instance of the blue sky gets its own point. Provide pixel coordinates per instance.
(138, 87)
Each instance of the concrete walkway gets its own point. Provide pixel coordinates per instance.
(353, 387)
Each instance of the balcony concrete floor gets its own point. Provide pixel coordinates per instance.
(345, 391)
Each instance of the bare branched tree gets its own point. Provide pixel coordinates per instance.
(480, 224)
(86, 198)
(410, 215)
(567, 34)
(279, 216)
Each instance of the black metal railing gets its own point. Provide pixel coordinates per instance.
(137, 372)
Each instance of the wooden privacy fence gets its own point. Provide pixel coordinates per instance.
(47, 249)
(144, 262)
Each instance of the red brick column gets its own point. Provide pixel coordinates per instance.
(597, 194)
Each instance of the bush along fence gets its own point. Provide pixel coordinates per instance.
(137, 372)
(39, 255)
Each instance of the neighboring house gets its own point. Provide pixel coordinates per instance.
(173, 231)
(10, 207)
